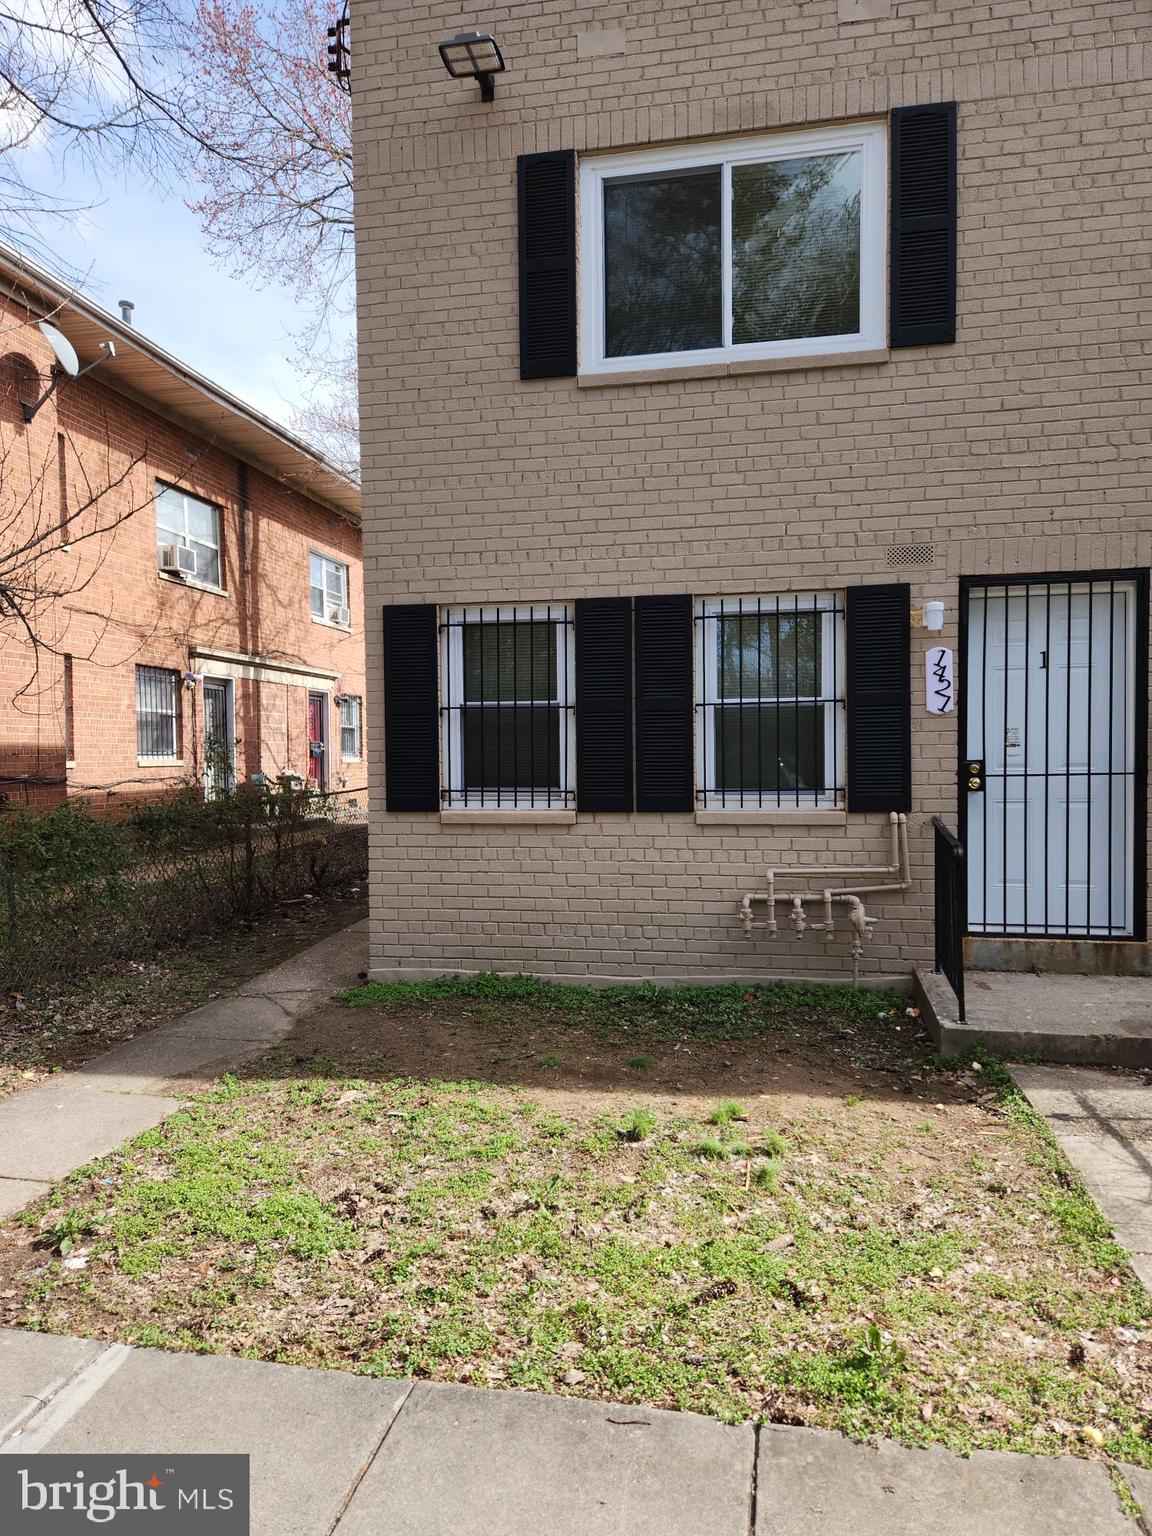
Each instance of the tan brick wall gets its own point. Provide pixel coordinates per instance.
(118, 612)
(1022, 448)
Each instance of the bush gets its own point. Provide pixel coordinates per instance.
(77, 891)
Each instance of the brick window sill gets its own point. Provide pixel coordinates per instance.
(731, 369)
(794, 818)
(510, 818)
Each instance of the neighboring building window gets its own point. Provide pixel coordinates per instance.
(349, 727)
(770, 702)
(157, 712)
(750, 248)
(329, 583)
(69, 711)
(186, 522)
(62, 481)
(508, 710)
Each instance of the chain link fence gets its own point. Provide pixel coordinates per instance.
(77, 893)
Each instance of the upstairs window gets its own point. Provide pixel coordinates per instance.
(752, 248)
(508, 737)
(328, 581)
(186, 523)
(157, 713)
(770, 702)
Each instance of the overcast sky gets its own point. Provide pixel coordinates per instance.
(133, 243)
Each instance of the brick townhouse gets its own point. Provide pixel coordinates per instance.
(194, 576)
(755, 436)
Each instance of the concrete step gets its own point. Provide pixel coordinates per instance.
(1100, 1021)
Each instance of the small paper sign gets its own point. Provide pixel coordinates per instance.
(939, 694)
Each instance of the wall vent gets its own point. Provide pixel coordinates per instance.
(911, 554)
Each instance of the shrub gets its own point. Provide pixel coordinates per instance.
(76, 892)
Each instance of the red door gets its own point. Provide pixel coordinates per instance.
(317, 741)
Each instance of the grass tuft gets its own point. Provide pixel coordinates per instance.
(638, 1125)
(727, 1111)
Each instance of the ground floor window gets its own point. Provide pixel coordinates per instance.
(507, 707)
(157, 712)
(350, 728)
(770, 701)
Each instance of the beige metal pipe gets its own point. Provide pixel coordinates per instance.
(849, 895)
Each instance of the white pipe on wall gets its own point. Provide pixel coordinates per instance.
(899, 879)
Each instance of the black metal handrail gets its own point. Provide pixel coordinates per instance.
(951, 904)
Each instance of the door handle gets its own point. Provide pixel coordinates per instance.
(973, 775)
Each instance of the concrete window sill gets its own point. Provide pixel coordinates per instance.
(797, 818)
(159, 762)
(730, 370)
(510, 818)
(192, 584)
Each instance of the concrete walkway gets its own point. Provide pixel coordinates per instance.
(64, 1123)
(1094, 1021)
(1103, 1122)
(332, 1452)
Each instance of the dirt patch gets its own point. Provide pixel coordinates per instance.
(585, 1071)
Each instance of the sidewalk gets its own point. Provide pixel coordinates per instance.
(64, 1123)
(337, 1452)
(1103, 1122)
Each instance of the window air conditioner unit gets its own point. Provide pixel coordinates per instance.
(339, 616)
(175, 557)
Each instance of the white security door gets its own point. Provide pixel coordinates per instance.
(1051, 742)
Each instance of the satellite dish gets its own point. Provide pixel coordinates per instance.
(64, 350)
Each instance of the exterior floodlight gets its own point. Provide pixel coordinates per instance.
(66, 366)
(474, 56)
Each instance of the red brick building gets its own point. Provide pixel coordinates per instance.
(180, 577)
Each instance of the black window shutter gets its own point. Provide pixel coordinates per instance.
(411, 708)
(879, 646)
(664, 769)
(546, 187)
(923, 202)
(603, 704)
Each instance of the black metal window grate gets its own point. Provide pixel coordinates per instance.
(157, 712)
(350, 727)
(770, 701)
(1052, 773)
(508, 714)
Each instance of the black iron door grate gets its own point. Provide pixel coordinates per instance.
(1053, 772)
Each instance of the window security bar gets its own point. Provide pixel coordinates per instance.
(770, 702)
(508, 715)
(157, 712)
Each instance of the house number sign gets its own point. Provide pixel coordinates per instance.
(939, 692)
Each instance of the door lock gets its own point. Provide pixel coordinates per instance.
(974, 774)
